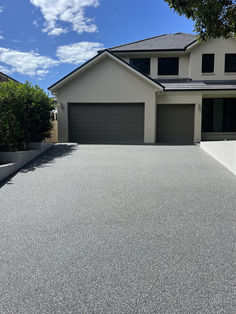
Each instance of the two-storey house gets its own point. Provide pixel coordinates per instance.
(165, 89)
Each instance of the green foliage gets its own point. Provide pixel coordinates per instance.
(213, 18)
(24, 115)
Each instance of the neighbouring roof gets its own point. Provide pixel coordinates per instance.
(178, 41)
(8, 77)
(190, 85)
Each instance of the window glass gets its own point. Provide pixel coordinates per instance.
(207, 115)
(219, 115)
(208, 63)
(229, 122)
(230, 62)
(141, 64)
(168, 66)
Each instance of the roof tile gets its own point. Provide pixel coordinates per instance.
(178, 41)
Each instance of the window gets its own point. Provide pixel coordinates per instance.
(208, 63)
(230, 62)
(141, 64)
(219, 115)
(168, 66)
(207, 115)
(229, 116)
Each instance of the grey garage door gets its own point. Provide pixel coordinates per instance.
(106, 123)
(175, 123)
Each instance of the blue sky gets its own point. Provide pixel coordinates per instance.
(43, 40)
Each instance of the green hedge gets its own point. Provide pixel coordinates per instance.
(24, 115)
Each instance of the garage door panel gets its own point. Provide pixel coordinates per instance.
(175, 123)
(106, 123)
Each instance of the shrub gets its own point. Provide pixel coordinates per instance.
(24, 115)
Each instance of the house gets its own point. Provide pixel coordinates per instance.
(6, 78)
(164, 89)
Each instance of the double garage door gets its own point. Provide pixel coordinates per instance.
(124, 123)
(106, 123)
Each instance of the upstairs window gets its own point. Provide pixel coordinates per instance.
(141, 64)
(168, 66)
(230, 62)
(208, 63)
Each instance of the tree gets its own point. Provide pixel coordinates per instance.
(213, 18)
(24, 115)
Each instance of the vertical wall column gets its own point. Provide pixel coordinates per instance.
(198, 120)
(62, 109)
(150, 119)
(153, 67)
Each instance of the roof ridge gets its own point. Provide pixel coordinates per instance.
(184, 34)
(9, 77)
(137, 41)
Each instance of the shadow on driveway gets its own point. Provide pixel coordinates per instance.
(46, 159)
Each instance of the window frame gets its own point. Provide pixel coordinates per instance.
(229, 54)
(228, 102)
(207, 128)
(208, 119)
(208, 54)
(167, 74)
(143, 72)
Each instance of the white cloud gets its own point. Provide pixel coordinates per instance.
(78, 52)
(33, 64)
(57, 31)
(1, 9)
(32, 40)
(1, 37)
(5, 70)
(70, 11)
(35, 23)
(27, 63)
(16, 41)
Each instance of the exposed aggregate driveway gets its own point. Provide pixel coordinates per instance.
(118, 229)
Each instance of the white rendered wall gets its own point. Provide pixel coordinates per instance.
(108, 82)
(173, 98)
(219, 47)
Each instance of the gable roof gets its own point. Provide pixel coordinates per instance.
(8, 77)
(95, 60)
(167, 42)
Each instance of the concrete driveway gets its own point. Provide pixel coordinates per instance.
(118, 229)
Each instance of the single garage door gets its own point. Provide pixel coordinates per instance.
(106, 123)
(175, 123)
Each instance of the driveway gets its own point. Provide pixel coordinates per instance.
(118, 229)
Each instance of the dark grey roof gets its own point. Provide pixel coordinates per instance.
(8, 77)
(178, 41)
(188, 84)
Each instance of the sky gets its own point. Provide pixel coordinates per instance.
(43, 40)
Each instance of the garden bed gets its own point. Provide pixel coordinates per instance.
(10, 162)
